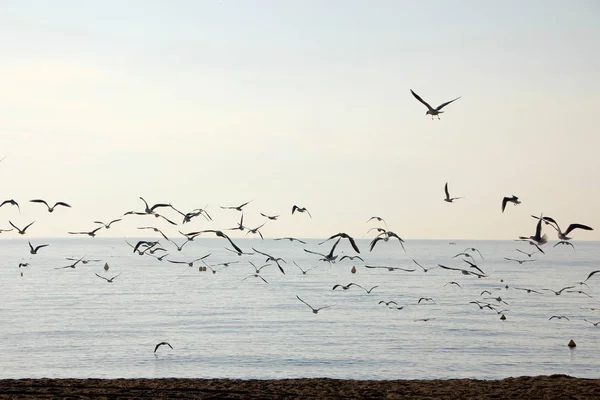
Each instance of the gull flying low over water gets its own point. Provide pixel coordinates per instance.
(351, 258)
(271, 258)
(559, 317)
(474, 249)
(109, 280)
(304, 271)
(189, 263)
(528, 290)
(424, 269)
(463, 271)
(300, 210)
(258, 269)
(519, 261)
(314, 310)
(256, 230)
(430, 110)
(71, 265)
(20, 231)
(50, 209)
(526, 253)
(224, 236)
(34, 250)
(591, 274)
(593, 323)
(345, 287)
(560, 291)
(329, 257)
(449, 199)
(514, 199)
(389, 268)
(162, 344)
(291, 239)
(255, 276)
(377, 219)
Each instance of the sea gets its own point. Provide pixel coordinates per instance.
(61, 322)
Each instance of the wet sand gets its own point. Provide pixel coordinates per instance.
(541, 387)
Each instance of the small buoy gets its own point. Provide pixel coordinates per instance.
(503, 317)
(353, 270)
(572, 343)
(106, 267)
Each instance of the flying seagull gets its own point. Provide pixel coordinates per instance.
(538, 238)
(21, 231)
(301, 210)
(107, 226)
(449, 199)
(314, 310)
(304, 271)
(11, 202)
(90, 233)
(430, 110)
(34, 250)
(50, 209)
(109, 280)
(563, 235)
(271, 217)
(291, 239)
(162, 344)
(344, 236)
(239, 208)
(514, 199)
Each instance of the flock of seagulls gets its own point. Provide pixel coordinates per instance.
(467, 264)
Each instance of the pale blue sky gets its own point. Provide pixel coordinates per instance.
(303, 102)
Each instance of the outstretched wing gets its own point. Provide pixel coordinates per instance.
(445, 104)
(421, 100)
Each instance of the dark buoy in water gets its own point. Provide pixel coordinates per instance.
(353, 270)
(571, 343)
(106, 267)
(503, 317)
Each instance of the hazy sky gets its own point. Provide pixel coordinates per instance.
(302, 102)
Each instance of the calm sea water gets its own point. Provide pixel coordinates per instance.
(70, 323)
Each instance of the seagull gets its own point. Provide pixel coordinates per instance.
(274, 259)
(143, 243)
(514, 199)
(368, 290)
(150, 210)
(214, 271)
(255, 276)
(563, 235)
(390, 268)
(591, 274)
(256, 230)
(50, 209)
(387, 303)
(257, 269)
(430, 110)
(344, 236)
(519, 261)
(178, 246)
(91, 233)
(240, 226)
(304, 271)
(156, 230)
(378, 219)
(222, 235)
(239, 208)
(21, 231)
(463, 271)
(271, 217)
(578, 291)
(558, 317)
(453, 283)
(526, 253)
(424, 269)
(71, 265)
(351, 258)
(11, 202)
(473, 265)
(291, 239)
(538, 238)
(107, 226)
(386, 236)
(300, 209)
(449, 199)
(34, 250)
(474, 249)
(314, 310)
(161, 344)
(345, 287)
(528, 290)
(560, 291)
(239, 253)
(565, 243)
(593, 323)
(425, 299)
(189, 263)
(107, 279)
(187, 217)
(481, 307)
(329, 257)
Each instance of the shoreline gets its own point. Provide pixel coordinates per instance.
(538, 387)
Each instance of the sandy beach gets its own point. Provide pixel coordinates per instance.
(541, 387)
